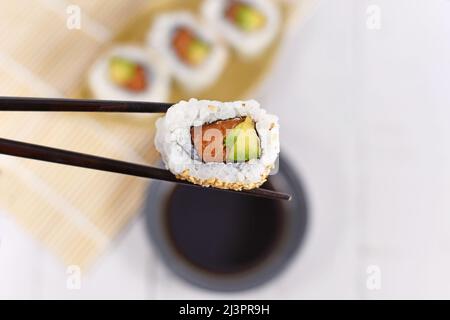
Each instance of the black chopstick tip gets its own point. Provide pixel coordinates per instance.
(266, 193)
(284, 196)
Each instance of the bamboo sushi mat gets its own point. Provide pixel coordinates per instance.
(75, 212)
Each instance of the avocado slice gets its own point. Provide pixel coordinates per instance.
(249, 19)
(121, 70)
(198, 51)
(242, 143)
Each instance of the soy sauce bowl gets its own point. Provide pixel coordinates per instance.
(225, 241)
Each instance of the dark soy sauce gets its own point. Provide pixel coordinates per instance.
(222, 232)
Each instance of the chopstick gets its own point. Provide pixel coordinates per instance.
(43, 153)
(80, 105)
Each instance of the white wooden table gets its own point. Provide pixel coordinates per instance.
(365, 116)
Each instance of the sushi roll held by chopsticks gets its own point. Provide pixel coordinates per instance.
(228, 145)
(130, 73)
(196, 57)
(248, 25)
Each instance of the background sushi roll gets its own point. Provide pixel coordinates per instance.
(244, 155)
(249, 25)
(195, 55)
(130, 73)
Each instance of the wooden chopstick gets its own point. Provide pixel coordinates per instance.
(37, 152)
(80, 105)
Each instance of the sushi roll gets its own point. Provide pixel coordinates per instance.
(227, 145)
(249, 25)
(130, 73)
(195, 56)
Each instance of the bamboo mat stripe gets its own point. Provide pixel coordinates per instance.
(19, 72)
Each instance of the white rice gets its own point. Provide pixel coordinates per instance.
(246, 43)
(193, 78)
(103, 88)
(173, 141)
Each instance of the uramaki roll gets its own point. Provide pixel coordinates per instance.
(228, 145)
(193, 52)
(130, 73)
(248, 25)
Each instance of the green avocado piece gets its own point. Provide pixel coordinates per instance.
(249, 18)
(198, 51)
(242, 143)
(122, 70)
